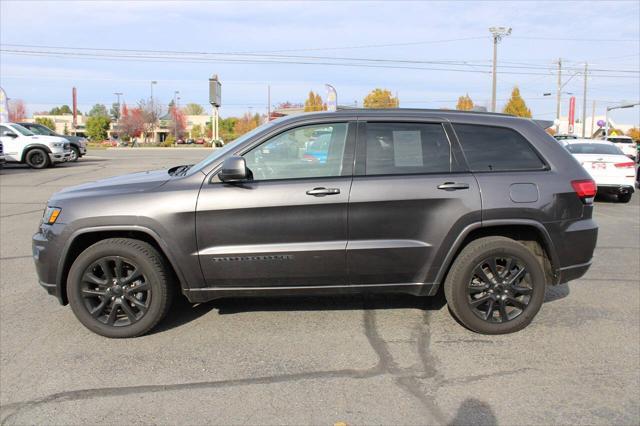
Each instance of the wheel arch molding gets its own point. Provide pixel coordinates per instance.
(32, 146)
(83, 238)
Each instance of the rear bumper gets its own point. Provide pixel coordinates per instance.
(573, 272)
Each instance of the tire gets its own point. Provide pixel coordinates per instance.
(75, 154)
(624, 198)
(37, 158)
(127, 301)
(521, 301)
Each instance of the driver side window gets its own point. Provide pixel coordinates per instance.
(309, 151)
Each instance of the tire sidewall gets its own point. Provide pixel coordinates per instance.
(75, 154)
(154, 278)
(462, 277)
(34, 151)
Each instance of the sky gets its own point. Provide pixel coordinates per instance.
(397, 41)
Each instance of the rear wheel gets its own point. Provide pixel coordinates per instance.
(495, 286)
(37, 158)
(624, 198)
(120, 287)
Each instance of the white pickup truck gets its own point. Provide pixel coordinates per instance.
(20, 145)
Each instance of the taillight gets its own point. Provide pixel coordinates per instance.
(627, 165)
(585, 189)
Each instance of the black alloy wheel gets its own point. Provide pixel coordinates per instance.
(499, 291)
(115, 291)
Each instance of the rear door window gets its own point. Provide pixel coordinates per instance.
(490, 149)
(406, 148)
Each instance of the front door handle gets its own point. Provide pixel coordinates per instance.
(321, 192)
(453, 186)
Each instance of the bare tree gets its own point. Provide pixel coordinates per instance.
(151, 111)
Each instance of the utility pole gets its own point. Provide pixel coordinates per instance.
(175, 115)
(498, 33)
(558, 96)
(584, 101)
(593, 118)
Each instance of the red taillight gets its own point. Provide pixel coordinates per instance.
(627, 165)
(584, 188)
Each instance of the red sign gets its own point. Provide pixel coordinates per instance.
(572, 112)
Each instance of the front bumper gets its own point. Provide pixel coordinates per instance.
(60, 157)
(46, 251)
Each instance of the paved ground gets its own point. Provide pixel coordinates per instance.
(387, 360)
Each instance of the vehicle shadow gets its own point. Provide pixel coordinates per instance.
(328, 303)
(472, 411)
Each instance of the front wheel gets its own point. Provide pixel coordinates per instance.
(37, 159)
(75, 154)
(495, 286)
(120, 287)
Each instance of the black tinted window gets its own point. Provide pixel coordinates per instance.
(404, 148)
(496, 148)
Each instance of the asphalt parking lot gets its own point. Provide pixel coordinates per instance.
(360, 360)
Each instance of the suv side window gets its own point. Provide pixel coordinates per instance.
(303, 152)
(489, 149)
(406, 148)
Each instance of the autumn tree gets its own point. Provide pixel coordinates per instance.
(196, 131)
(464, 103)
(380, 98)
(61, 110)
(634, 133)
(193, 109)
(246, 123)
(131, 123)
(314, 103)
(178, 121)
(46, 122)
(151, 115)
(516, 105)
(17, 110)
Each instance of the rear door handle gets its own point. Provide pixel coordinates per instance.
(321, 192)
(453, 186)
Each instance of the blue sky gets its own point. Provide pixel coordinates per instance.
(606, 34)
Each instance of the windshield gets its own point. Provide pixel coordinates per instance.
(22, 130)
(593, 148)
(215, 155)
(40, 130)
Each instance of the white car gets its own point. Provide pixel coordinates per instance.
(612, 171)
(23, 146)
(626, 145)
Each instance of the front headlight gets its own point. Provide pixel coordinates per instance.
(51, 215)
(57, 144)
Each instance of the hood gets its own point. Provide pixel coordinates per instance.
(134, 182)
(47, 139)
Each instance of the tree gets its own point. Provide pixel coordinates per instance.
(464, 103)
(131, 124)
(196, 131)
(226, 128)
(46, 122)
(314, 103)
(65, 131)
(193, 109)
(61, 110)
(246, 123)
(634, 133)
(287, 105)
(98, 110)
(97, 127)
(151, 114)
(115, 111)
(380, 98)
(516, 105)
(17, 110)
(179, 121)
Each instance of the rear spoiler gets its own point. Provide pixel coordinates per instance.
(545, 124)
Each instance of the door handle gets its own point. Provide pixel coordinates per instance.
(321, 192)
(453, 186)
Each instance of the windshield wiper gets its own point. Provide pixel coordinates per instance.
(180, 170)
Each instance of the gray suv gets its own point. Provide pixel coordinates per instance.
(488, 207)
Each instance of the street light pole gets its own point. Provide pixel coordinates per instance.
(584, 102)
(559, 95)
(498, 33)
(606, 116)
(175, 114)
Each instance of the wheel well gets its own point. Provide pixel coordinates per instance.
(528, 235)
(31, 148)
(83, 241)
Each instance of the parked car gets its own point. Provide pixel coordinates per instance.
(191, 141)
(78, 144)
(2, 159)
(20, 145)
(407, 201)
(109, 143)
(613, 172)
(200, 141)
(626, 144)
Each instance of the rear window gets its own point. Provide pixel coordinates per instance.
(491, 149)
(407, 148)
(593, 148)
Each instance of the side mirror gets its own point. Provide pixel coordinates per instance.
(234, 169)
(9, 134)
